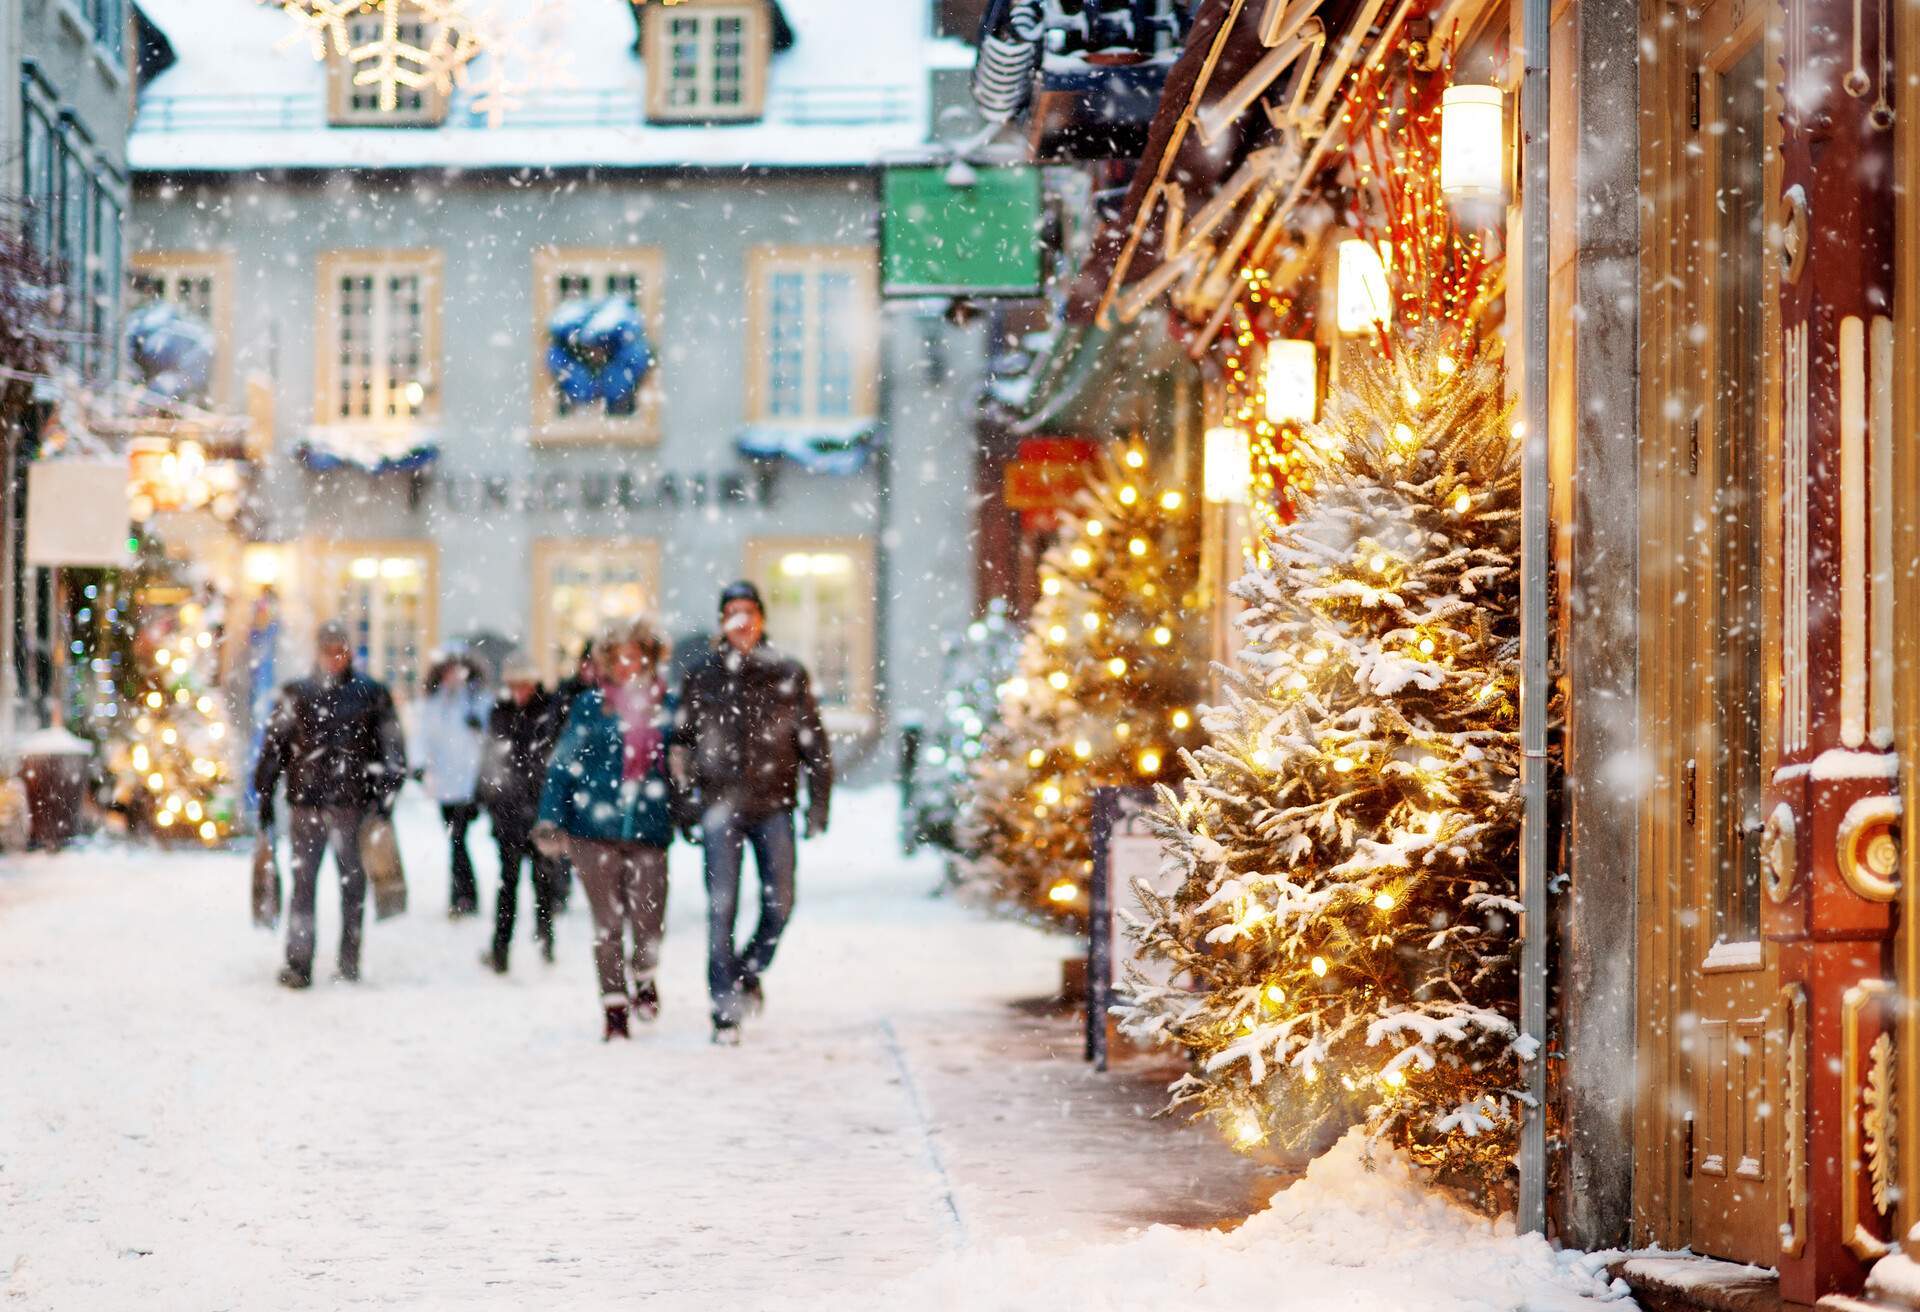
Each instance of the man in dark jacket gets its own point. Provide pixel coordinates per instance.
(526, 720)
(748, 727)
(337, 741)
(565, 693)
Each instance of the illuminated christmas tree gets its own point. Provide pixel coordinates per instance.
(1105, 692)
(978, 662)
(169, 760)
(1343, 939)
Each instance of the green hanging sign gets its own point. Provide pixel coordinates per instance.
(977, 237)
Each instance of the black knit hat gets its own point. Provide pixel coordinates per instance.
(741, 590)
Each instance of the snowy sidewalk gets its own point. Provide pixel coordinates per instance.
(176, 1132)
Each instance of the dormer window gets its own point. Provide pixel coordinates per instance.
(352, 103)
(706, 60)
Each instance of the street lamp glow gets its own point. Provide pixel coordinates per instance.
(1225, 461)
(1293, 382)
(1472, 143)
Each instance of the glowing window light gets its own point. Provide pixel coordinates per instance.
(1472, 143)
(1225, 466)
(1292, 382)
(1363, 300)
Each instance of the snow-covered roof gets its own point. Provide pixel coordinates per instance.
(853, 88)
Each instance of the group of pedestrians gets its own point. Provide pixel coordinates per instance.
(595, 779)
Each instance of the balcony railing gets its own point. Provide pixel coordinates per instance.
(561, 107)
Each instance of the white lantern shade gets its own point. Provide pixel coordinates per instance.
(1293, 382)
(1226, 466)
(1363, 301)
(1472, 143)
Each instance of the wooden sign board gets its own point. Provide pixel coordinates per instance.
(1125, 854)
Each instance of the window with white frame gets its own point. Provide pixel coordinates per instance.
(355, 104)
(706, 61)
(582, 584)
(815, 318)
(379, 336)
(385, 594)
(563, 274)
(42, 179)
(200, 283)
(104, 256)
(108, 19)
(820, 609)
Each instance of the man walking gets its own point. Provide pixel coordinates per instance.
(526, 721)
(747, 727)
(336, 739)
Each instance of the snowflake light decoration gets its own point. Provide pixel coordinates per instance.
(436, 44)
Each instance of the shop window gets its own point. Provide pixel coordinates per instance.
(820, 597)
(385, 593)
(706, 62)
(581, 584)
(814, 322)
(351, 104)
(200, 284)
(379, 336)
(561, 274)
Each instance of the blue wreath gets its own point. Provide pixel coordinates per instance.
(597, 349)
(171, 350)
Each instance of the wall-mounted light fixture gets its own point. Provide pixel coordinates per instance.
(1226, 466)
(1363, 299)
(1293, 382)
(1472, 143)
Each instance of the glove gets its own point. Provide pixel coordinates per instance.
(548, 841)
(816, 824)
(384, 805)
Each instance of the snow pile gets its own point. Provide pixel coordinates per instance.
(1351, 1237)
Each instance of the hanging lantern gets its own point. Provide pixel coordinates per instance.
(1472, 143)
(1364, 301)
(1292, 382)
(1225, 462)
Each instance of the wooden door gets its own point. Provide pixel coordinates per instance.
(1729, 1039)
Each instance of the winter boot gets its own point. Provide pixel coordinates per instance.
(616, 1025)
(347, 972)
(295, 979)
(646, 1000)
(546, 949)
(726, 1033)
(751, 994)
(494, 960)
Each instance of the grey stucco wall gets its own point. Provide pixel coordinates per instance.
(94, 87)
(487, 225)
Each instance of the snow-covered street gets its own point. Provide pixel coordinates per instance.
(177, 1132)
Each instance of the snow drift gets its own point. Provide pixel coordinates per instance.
(1353, 1236)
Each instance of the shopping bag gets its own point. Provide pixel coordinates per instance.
(266, 880)
(380, 855)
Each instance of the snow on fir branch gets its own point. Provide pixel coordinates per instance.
(1344, 935)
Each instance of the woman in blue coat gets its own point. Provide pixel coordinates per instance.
(606, 806)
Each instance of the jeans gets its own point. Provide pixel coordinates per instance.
(459, 817)
(312, 831)
(723, 835)
(516, 850)
(626, 886)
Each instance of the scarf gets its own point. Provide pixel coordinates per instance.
(637, 706)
